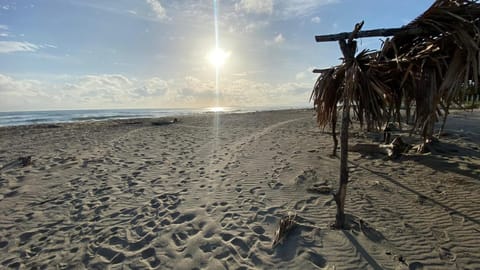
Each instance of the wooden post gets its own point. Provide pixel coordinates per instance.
(342, 188)
(348, 48)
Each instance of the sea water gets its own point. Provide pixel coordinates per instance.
(66, 116)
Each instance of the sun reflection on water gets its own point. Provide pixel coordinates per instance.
(217, 109)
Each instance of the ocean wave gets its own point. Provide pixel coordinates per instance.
(107, 117)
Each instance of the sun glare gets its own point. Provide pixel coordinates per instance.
(217, 57)
(216, 109)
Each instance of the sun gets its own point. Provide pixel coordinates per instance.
(217, 57)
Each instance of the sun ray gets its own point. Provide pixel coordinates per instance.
(217, 69)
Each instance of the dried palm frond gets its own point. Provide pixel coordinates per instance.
(285, 225)
(326, 94)
(369, 93)
(428, 70)
(441, 59)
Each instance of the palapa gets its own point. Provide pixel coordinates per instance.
(428, 63)
(429, 67)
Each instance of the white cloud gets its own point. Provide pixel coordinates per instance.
(106, 87)
(3, 27)
(25, 88)
(119, 91)
(110, 91)
(300, 75)
(157, 8)
(152, 87)
(306, 74)
(278, 39)
(48, 46)
(252, 26)
(17, 46)
(296, 8)
(244, 92)
(316, 19)
(21, 94)
(255, 6)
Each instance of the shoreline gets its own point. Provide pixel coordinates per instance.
(208, 192)
(138, 121)
(30, 118)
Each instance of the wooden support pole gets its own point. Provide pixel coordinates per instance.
(348, 47)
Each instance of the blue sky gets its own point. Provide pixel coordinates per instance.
(81, 54)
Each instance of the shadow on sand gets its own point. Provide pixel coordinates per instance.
(419, 194)
(441, 159)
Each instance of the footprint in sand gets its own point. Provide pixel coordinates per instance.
(114, 257)
(440, 235)
(240, 246)
(415, 266)
(150, 256)
(25, 237)
(3, 244)
(446, 255)
(457, 218)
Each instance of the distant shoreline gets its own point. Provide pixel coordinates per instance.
(32, 118)
(138, 120)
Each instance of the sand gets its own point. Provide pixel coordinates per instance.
(207, 193)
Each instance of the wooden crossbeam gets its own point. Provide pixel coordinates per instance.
(385, 32)
(317, 70)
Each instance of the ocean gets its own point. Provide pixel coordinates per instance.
(66, 116)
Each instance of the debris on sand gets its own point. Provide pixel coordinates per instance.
(320, 189)
(397, 147)
(25, 161)
(285, 225)
(308, 175)
(19, 162)
(165, 122)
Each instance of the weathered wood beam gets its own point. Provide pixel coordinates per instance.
(386, 32)
(355, 31)
(318, 70)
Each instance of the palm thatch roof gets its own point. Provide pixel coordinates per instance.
(428, 66)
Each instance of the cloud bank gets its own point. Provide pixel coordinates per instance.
(119, 91)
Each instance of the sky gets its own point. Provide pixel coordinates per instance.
(105, 54)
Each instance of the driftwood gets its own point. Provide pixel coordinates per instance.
(320, 189)
(370, 148)
(19, 162)
(164, 122)
(392, 150)
(25, 161)
(396, 148)
(427, 147)
(285, 225)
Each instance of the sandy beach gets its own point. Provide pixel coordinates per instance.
(207, 193)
